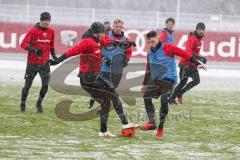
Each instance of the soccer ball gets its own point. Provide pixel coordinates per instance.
(129, 132)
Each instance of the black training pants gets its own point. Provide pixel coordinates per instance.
(31, 72)
(101, 90)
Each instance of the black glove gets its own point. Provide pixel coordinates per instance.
(53, 54)
(57, 60)
(125, 61)
(194, 60)
(107, 61)
(38, 51)
(116, 43)
(52, 62)
(200, 58)
(35, 50)
(127, 44)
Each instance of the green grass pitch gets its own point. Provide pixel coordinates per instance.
(206, 127)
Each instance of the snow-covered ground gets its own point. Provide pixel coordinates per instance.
(220, 76)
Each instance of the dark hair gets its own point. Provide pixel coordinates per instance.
(45, 16)
(151, 34)
(170, 20)
(97, 27)
(106, 23)
(200, 26)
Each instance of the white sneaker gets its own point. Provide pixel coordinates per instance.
(107, 134)
(130, 125)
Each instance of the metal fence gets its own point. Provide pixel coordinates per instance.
(132, 19)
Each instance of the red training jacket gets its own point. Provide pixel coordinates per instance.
(36, 37)
(90, 54)
(193, 46)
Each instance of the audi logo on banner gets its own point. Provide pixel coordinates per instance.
(216, 46)
(139, 39)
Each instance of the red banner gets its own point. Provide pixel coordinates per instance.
(216, 46)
